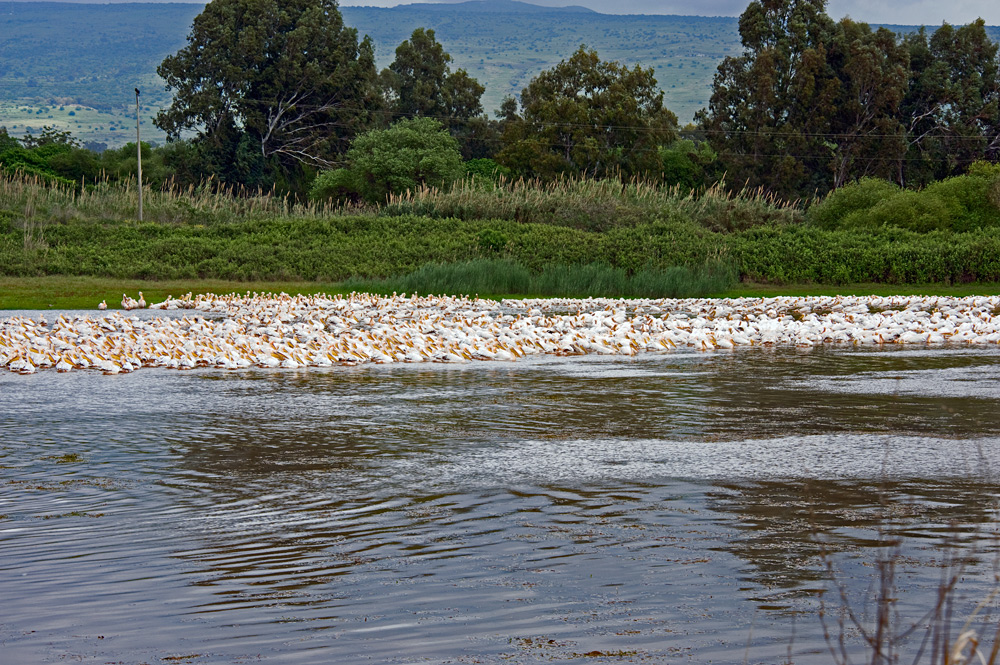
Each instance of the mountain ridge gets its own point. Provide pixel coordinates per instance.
(487, 7)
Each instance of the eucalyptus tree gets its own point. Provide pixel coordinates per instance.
(587, 117)
(271, 81)
(866, 136)
(811, 104)
(772, 107)
(952, 105)
(421, 83)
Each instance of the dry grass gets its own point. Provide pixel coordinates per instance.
(30, 199)
(597, 204)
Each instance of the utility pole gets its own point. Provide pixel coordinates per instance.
(138, 149)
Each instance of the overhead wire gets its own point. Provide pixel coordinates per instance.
(773, 131)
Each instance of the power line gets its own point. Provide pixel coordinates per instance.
(769, 132)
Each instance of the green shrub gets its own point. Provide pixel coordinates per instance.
(486, 170)
(336, 185)
(687, 165)
(651, 249)
(411, 154)
(854, 197)
(907, 209)
(885, 255)
(974, 196)
(962, 203)
(492, 241)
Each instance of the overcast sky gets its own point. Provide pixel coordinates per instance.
(904, 12)
(900, 12)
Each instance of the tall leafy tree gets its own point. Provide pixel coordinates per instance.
(866, 133)
(952, 104)
(420, 83)
(267, 80)
(7, 141)
(771, 108)
(589, 117)
(811, 105)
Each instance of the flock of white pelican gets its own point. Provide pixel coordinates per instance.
(282, 331)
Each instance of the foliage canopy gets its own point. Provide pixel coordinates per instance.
(811, 105)
(412, 153)
(287, 79)
(586, 116)
(420, 83)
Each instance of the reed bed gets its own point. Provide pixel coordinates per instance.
(598, 205)
(33, 200)
(591, 205)
(497, 277)
(217, 232)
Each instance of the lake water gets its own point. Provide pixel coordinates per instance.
(666, 508)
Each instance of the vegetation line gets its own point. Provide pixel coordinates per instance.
(58, 292)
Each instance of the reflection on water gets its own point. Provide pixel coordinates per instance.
(659, 508)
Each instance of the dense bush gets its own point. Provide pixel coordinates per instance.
(486, 170)
(335, 248)
(888, 255)
(411, 154)
(212, 234)
(962, 203)
(689, 166)
(855, 197)
(341, 185)
(907, 209)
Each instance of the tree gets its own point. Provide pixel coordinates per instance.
(412, 153)
(952, 104)
(812, 105)
(772, 107)
(52, 155)
(866, 132)
(7, 141)
(286, 80)
(587, 117)
(420, 83)
(688, 165)
(50, 136)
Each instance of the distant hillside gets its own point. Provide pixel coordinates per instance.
(75, 65)
(505, 54)
(489, 7)
(94, 54)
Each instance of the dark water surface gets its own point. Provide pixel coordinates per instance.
(673, 508)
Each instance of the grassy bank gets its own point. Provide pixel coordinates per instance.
(61, 292)
(333, 249)
(71, 292)
(571, 238)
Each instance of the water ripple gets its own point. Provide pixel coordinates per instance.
(653, 508)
